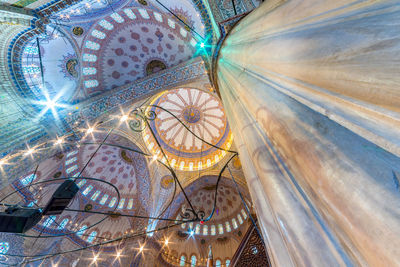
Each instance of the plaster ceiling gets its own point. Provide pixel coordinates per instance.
(131, 44)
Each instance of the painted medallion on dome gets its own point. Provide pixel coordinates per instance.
(130, 44)
(203, 114)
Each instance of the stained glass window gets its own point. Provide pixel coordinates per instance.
(89, 57)
(92, 45)
(49, 221)
(63, 224)
(213, 232)
(240, 219)
(92, 236)
(117, 17)
(182, 262)
(244, 214)
(112, 202)
(171, 23)
(72, 153)
(81, 231)
(227, 262)
(103, 199)
(129, 13)
(144, 14)
(197, 229)
(220, 229)
(81, 183)
(217, 263)
(106, 25)
(89, 71)
(91, 83)
(4, 247)
(158, 16)
(95, 195)
(87, 190)
(183, 32)
(71, 160)
(130, 204)
(205, 230)
(28, 179)
(71, 169)
(98, 34)
(193, 261)
(121, 203)
(234, 223)
(228, 226)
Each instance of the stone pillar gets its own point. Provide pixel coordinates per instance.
(312, 93)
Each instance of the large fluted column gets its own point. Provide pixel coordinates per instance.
(312, 92)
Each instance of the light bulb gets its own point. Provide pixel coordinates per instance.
(124, 118)
(90, 130)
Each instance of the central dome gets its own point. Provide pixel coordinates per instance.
(199, 111)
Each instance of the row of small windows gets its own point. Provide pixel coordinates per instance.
(193, 261)
(49, 221)
(105, 197)
(219, 227)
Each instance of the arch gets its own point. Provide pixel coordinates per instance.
(227, 262)
(92, 236)
(82, 231)
(193, 260)
(218, 263)
(182, 260)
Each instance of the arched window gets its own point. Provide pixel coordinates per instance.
(95, 195)
(112, 202)
(121, 203)
(49, 221)
(244, 214)
(71, 169)
(81, 183)
(197, 229)
(193, 261)
(234, 223)
(205, 230)
(220, 229)
(213, 230)
(71, 160)
(4, 247)
(103, 199)
(81, 231)
(182, 262)
(218, 263)
(240, 219)
(87, 190)
(228, 226)
(92, 236)
(63, 224)
(227, 262)
(130, 204)
(28, 179)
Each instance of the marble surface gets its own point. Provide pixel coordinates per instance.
(310, 89)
